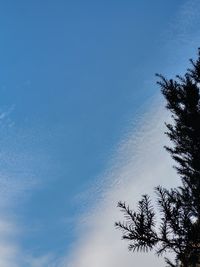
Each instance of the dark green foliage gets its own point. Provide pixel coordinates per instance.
(179, 229)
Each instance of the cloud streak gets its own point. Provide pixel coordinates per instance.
(17, 180)
(140, 164)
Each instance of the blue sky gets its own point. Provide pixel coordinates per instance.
(74, 77)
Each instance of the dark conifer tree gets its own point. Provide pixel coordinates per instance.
(179, 229)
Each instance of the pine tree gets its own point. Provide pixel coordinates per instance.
(179, 230)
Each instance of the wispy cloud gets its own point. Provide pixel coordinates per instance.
(182, 37)
(17, 179)
(139, 165)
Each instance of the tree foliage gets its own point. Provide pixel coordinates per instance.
(179, 229)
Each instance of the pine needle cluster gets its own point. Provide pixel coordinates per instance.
(179, 228)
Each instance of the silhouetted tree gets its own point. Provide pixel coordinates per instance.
(179, 228)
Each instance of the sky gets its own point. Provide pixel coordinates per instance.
(82, 123)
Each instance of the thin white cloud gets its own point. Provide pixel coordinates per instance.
(140, 164)
(17, 178)
(182, 38)
(9, 249)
